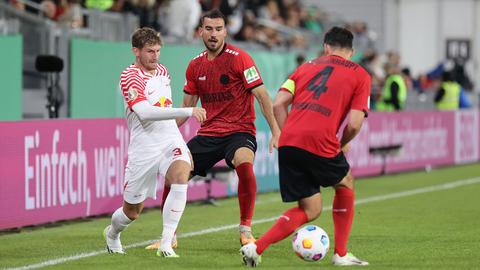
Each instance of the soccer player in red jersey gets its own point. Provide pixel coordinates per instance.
(321, 93)
(226, 79)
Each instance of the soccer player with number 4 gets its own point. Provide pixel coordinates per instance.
(321, 93)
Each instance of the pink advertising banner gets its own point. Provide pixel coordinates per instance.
(53, 170)
(427, 139)
(62, 169)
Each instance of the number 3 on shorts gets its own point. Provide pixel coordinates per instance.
(177, 152)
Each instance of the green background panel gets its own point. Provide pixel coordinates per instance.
(96, 68)
(11, 77)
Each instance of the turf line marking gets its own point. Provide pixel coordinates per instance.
(412, 192)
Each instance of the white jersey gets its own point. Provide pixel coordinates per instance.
(136, 85)
(154, 145)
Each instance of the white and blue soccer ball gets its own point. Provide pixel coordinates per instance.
(311, 243)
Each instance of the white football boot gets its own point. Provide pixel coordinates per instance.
(250, 255)
(113, 245)
(348, 259)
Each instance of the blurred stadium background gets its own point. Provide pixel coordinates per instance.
(56, 170)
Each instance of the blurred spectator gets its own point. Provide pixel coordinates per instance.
(183, 17)
(227, 7)
(370, 62)
(98, 4)
(246, 33)
(407, 77)
(160, 9)
(393, 60)
(145, 12)
(300, 59)
(311, 20)
(464, 102)
(297, 41)
(122, 6)
(17, 4)
(271, 11)
(293, 17)
(460, 75)
(394, 94)
(364, 39)
(71, 14)
(49, 9)
(448, 95)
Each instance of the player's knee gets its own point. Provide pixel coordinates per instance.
(347, 181)
(132, 213)
(178, 178)
(313, 213)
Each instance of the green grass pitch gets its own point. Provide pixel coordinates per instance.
(414, 220)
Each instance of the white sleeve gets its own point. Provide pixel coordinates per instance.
(145, 111)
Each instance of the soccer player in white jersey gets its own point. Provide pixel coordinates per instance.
(156, 145)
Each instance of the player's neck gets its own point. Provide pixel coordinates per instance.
(211, 55)
(144, 69)
(340, 54)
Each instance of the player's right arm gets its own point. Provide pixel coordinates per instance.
(190, 90)
(133, 88)
(145, 111)
(353, 127)
(358, 111)
(280, 107)
(283, 99)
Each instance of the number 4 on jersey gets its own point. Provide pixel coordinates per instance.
(317, 83)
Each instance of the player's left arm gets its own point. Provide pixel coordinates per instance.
(252, 81)
(263, 98)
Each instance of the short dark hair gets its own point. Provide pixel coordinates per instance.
(146, 36)
(339, 37)
(213, 14)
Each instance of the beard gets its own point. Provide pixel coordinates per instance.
(213, 47)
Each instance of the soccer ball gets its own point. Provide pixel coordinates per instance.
(311, 243)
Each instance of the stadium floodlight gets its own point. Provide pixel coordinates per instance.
(51, 65)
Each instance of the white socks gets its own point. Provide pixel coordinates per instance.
(120, 221)
(172, 212)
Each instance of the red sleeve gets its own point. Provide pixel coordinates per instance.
(190, 83)
(361, 97)
(249, 71)
(133, 88)
(290, 84)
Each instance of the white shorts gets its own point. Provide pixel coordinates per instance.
(141, 174)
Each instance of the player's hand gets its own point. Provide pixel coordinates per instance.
(346, 148)
(200, 114)
(274, 142)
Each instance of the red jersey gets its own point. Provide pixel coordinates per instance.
(324, 91)
(224, 86)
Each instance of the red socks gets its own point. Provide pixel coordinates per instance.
(342, 213)
(285, 225)
(166, 190)
(247, 190)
